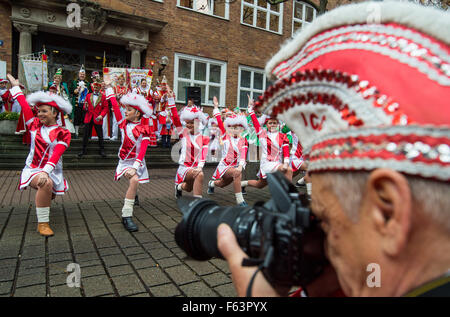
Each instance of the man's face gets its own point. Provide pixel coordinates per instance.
(121, 81)
(144, 84)
(2, 85)
(97, 88)
(350, 246)
(190, 103)
(56, 79)
(82, 76)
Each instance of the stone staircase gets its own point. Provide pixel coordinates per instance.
(13, 155)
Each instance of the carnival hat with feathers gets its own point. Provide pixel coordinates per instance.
(193, 113)
(40, 98)
(236, 119)
(138, 102)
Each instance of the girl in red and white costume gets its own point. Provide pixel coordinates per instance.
(275, 149)
(234, 153)
(135, 140)
(194, 148)
(43, 169)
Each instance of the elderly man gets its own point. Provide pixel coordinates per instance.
(369, 103)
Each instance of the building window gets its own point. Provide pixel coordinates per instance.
(262, 15)
(303, 15)
(218, 8)
(208, 74)
(252, 82)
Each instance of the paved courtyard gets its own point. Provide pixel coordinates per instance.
(88, 232)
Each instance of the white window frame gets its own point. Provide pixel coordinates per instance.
(223, 77)
(269, 12)
(251, 90)
(302, 20)
(211, 6)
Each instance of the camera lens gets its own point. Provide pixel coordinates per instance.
(196, 234)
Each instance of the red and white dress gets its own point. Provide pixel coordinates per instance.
(275, 148)
(135, 140)
(48, 143)
(296, 157)
(194, 148)
(234, 151)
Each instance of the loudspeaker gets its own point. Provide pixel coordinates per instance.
(194, 93)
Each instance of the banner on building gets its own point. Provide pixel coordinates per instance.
(35, 71)
(135, 76)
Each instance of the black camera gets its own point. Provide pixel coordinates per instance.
(282, 237)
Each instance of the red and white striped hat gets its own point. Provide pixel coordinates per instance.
(367, 86)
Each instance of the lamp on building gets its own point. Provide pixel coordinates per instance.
(164, 61)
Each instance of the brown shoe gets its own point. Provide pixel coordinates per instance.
(44, 229)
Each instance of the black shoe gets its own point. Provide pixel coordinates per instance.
(136, 201)
(102, 153)
(178, 193)
(80, 155)
(129, 224)
(210, 188)
(244, 192)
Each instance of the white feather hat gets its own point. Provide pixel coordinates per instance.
(46, 98)
(235, 119)
(138, 102)
(192, 113)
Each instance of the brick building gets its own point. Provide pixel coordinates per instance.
(221, 46)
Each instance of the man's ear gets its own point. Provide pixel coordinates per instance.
(390, 208)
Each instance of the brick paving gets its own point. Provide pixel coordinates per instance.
(88, 231)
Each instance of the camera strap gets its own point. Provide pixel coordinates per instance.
(261, 263)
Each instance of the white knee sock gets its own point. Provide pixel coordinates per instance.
(197, 196)
(127, 210)
(211, 184)
(43, 214)
(179, 186)
(76, 129)
(244, 183)
(239, 198)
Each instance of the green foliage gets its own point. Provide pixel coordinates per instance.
(11, 116)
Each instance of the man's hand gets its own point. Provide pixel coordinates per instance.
(42, 179)
(99, 118)
(130, 173)
(239, 168)
(14, 82)
(233, 254)
(75, 91)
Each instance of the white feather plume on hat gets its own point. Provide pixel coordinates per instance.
(236, 120)
(137, 101)
(48, 98)
(193, 113)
